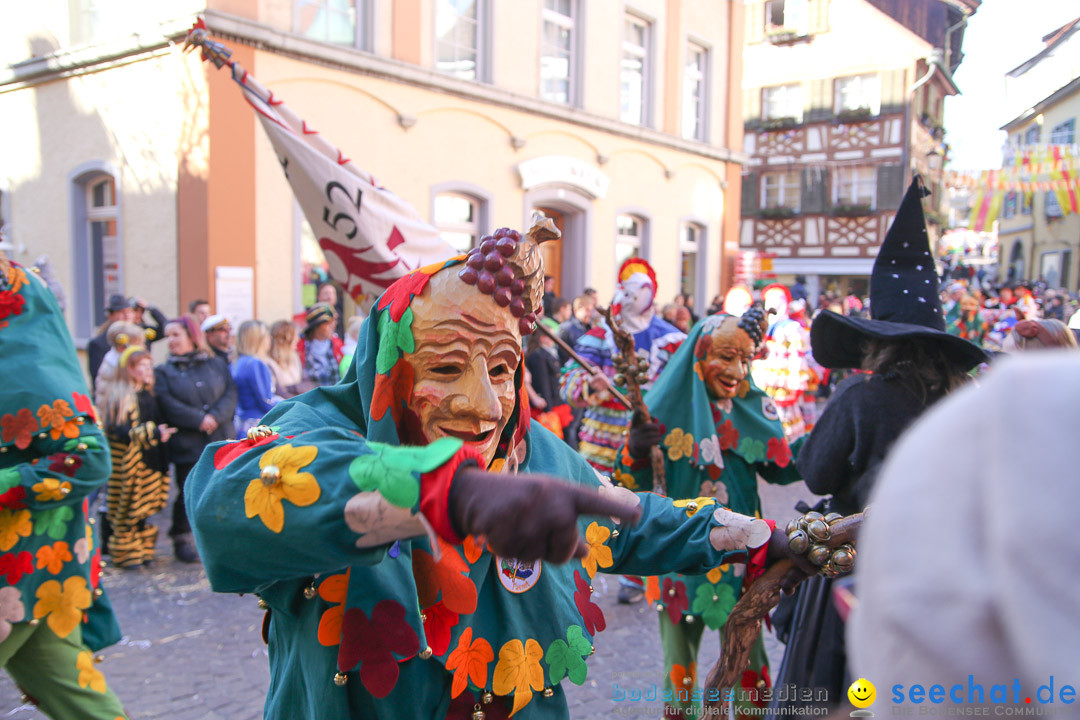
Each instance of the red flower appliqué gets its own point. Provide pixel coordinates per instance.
(674, 599)
(373, 644)
(11, 304)
(727, 435)
(750, 680)
(779, 451)
(438, 622)
(19, 427)
(590, 611)
(13, 566)
(59, 464)
(13, 499)
(83, 406)
(400, 294)
(230, 451)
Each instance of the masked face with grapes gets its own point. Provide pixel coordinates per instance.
(467, 328)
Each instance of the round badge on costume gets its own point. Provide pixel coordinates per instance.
(768, 409)
(517, 576)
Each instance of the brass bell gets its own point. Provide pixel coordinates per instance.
(792, 526)
(688, 681)
(263, 605)
(798, 542)
(34, 622)
(671, 592)
(259, 432)
(340, 679)
(487, 698)
(270, 475)
(812, 516)
(82, 446)
(818, 531)
(819, 555)
(614, 533)
(620, 379)
(423, 616)
(69, 461)
(98, 592)
(99, 659)
(690, 619)
(310, 592)
(659, 607)
(548, 692)
(833, 517)
(477, 713)
(843, 559)
(425, 654)
(692, 506)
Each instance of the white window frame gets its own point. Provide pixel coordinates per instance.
(695, 111)
(788, 97)
(788, 187)
(88, 276)
(639, 242)
(866, 87)
(362, 24)
(1062, 135)
(697, 245)
(796, 16)
(572, 24)
(854, 170)
(481, 201)
(481, 45)
(642, 53)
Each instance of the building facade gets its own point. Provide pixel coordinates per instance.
(843, 101)
(1037, 236)
(140, 170)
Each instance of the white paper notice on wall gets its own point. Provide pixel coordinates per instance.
(234, 289)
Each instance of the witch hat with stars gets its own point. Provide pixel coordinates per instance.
(904, 300)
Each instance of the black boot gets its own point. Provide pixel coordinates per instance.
(184, 549)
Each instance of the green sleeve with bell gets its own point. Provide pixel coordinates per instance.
(292, 505)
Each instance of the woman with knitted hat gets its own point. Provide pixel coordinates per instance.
(139, 483)
(909, 363)
(320, 348)
(413, 559)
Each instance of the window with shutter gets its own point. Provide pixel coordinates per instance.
(814, 190)
(820, 104)
(890, 186)
(893, 91)
(749, 194)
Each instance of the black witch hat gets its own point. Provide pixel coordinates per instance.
(904, 300)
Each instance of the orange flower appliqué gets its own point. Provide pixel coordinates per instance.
(469, 662)
(52, 557)
(683, 678)
(51, 489)
(333, 590)
(56, 420)
(13, 525)
(599, 553)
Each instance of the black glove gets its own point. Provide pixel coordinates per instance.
(528, 517)
(643, 435)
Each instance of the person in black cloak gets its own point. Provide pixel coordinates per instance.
(909, 362)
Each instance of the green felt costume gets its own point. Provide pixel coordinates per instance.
(366, 620)
(714, 450)
(52, 456)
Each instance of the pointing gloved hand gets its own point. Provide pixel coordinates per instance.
(528, 517)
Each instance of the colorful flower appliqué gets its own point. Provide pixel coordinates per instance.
(599, 554)
(518, 671)
(264, 497)
(469, 661)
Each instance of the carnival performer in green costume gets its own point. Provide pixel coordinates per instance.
(718, 432)
(412, 561)
(53, 614)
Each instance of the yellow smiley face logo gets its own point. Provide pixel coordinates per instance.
(862, 693)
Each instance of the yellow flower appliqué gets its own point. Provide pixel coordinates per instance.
(51, 489)
(89, 676)
(518, 671)
(281, 480)
(625, 479)
(62, 606)
(13, 525)
(599, 553)
(680, 444)
(692, 505)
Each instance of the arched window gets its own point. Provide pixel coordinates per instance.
(98, 255)
(460, 218)
(631, 235)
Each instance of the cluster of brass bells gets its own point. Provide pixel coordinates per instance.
(638, 368)
(259, 432)
(810, 533)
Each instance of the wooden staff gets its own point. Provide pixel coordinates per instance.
(624, 341)
(743, 624)
(589, 368)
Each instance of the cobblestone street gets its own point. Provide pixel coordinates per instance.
(189, 653)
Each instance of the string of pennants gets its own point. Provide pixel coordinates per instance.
(1027, 170)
